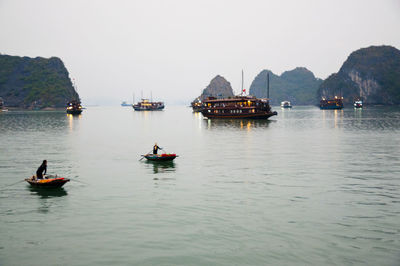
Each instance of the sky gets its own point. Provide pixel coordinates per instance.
(171, 49)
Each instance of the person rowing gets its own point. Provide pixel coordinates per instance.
(42, 170)
(156, 148)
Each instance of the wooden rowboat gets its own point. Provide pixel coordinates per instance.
(52, 182)
(160, 157)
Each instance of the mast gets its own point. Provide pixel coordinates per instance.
(151, 96)
(242, 83)
(133, 98)
(268, 85)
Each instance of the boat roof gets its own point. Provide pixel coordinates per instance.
(236, 99)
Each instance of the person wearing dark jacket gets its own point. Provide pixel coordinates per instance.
(156, 148)
(42, 170)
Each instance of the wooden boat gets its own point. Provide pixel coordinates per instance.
(50, 182)
(237, 107)
(160, 157)
(74, 108)
(146, 105)
(336, 103)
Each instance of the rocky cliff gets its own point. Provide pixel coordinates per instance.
(298, 86)
(219, 87)
(35, 82)
(371, 74)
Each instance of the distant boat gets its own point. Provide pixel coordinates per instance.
(286, 104)
(146, 105)
(2, 107)
(336, 103)
(74, 108)
(196, 105)
(358, 104)
(124, 103)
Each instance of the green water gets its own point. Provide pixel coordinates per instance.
(308, 187)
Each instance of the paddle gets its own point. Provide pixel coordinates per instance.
(143, 156)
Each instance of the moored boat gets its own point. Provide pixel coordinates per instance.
(358, 104)
(2, 107)
(237, 107)
(74, 107)
(286, 104)
(124, 103)
(196, 105)
(160, 157)
(49, 182)
(146, 105)
(336, 103)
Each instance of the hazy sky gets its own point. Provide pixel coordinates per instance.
(174, 48)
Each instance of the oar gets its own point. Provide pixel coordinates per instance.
(143, 156)
(12, 184)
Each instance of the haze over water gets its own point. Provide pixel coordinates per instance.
(308, 187)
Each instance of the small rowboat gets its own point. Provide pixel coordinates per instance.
(160, 157)
(53, 182)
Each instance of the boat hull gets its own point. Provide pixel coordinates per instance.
(160, 158)
(330, 107)
(265, 115)
(74, 112)
(56, 183)
(148, 109)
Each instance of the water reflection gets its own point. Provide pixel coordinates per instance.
(45, 193)
(242, 124)
(161, 167)
(72, 120)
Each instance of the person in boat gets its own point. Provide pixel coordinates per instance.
(41, 170)
(156, 148)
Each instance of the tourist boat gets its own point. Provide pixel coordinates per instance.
(196, 105)
(237, 107)
(124, 103)
(160, 157)
(358, 104)
(74, 108)
(146, 105)
(336, 103)
(48, 182)
(286, 104)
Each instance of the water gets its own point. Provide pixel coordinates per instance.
(309, 187)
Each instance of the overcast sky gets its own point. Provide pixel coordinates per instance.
(174, 48)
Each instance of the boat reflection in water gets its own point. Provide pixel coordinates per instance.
(161, 167)
(72, 119)
(241, 124)
(45, 193)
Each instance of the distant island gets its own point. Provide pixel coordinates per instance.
(219, 88)
(370, 74)
(298, 86)
(35, 83)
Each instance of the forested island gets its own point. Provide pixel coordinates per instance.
(35, 83)
(369, 74)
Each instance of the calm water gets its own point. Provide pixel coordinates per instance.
(309, 187)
